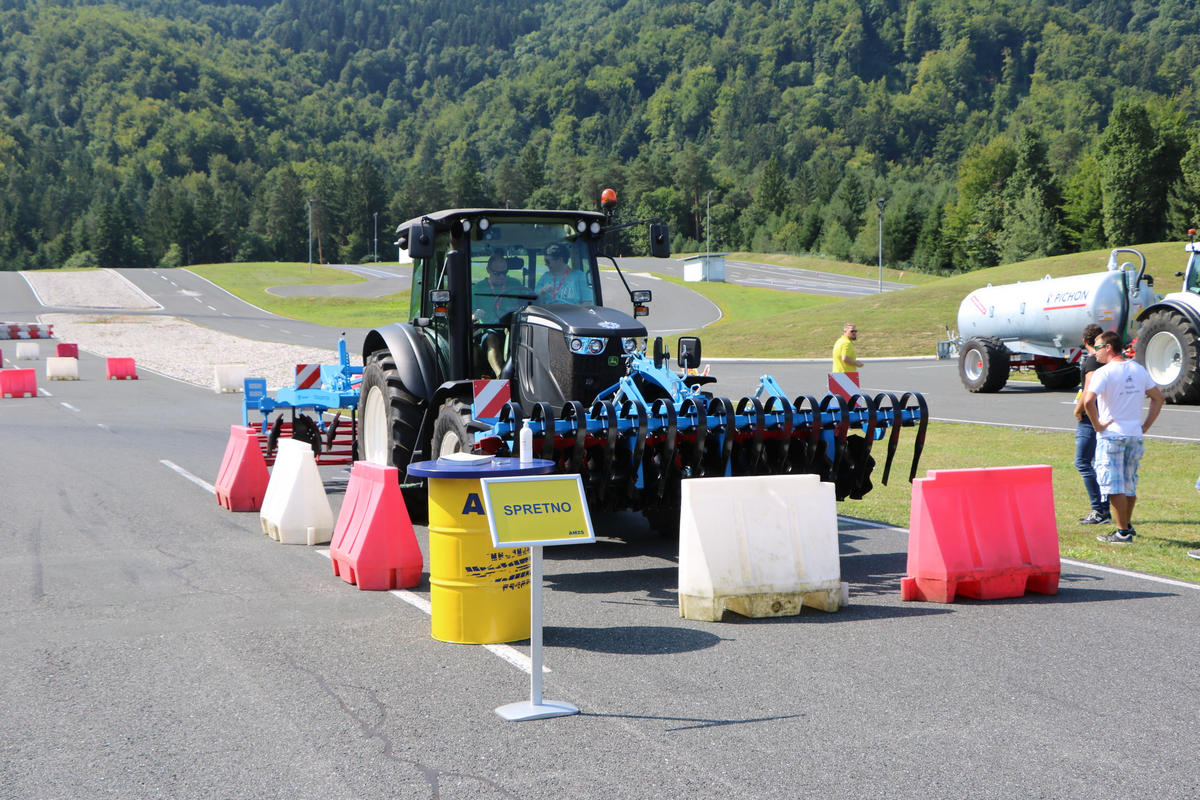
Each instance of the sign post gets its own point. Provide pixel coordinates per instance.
(535, 512)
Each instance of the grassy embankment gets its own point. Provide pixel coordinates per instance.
(911, 322)
(251, 281)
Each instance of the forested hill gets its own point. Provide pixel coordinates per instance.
(182, 131)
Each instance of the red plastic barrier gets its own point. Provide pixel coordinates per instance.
(25, 330)
(120, 369)
(18, 383)
(243, 478)
(982, 533)
(65, 350)
(373, 541)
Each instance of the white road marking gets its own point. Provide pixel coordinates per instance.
(69, 407)
(502, 651)
(210, 308)
(203, 484)
(1130, 574)
(44, 392)
(1068, 561)
(1051, 428)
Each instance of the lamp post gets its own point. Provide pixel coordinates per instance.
(376, 237)
(707, 228)
(310, 202)
(881, 203)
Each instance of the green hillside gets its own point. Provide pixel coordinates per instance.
(147, 132)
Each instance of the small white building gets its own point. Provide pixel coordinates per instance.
(704, 267)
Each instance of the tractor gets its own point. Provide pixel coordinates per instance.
(508, 327)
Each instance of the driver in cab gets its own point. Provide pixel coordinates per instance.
(494, 296)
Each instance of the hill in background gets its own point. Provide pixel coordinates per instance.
(178, 131)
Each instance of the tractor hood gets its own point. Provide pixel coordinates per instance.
(596, 321)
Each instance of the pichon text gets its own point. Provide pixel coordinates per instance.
(537, 508)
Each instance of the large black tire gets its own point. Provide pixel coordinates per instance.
(1167, 347)
(450, 432)
(983, 364)
(389, 422)
(1058, 377)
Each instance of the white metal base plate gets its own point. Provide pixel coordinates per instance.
(527, 709)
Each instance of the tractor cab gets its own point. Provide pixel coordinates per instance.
(515, 294)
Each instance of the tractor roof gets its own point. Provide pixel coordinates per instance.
(442, 219)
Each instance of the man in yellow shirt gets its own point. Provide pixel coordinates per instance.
(844, 357)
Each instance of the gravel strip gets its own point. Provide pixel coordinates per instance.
(165, 344)
(100, 289)
(183, 350)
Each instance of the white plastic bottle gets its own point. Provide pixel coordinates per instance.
(526, 448)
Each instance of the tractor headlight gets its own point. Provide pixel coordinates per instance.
(629, 345)
(596, 346)
(576, 344)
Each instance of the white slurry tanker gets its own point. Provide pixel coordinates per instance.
(1039, 324)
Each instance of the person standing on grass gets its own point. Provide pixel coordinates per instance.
(1113, 401)
(1085, 434)
(844, 357)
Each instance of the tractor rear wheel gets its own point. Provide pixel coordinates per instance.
(1168, 348)
(983, 364)
(1059, 376)
(389, 421)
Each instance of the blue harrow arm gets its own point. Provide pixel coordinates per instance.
(338, 389)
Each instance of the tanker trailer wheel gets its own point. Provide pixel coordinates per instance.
(983, 364)
(450, 434)
(1168, 349)
(1059, 376)
(389, 419)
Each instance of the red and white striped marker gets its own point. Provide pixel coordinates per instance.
(26, 330)
(489, 397)
(308, 376)
(843, 384)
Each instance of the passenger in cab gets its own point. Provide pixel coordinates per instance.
(562, 284)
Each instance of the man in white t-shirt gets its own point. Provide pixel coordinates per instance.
(1113, 402)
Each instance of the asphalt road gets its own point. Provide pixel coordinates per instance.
(155, 645)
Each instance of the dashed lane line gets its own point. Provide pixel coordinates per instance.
(509, 654)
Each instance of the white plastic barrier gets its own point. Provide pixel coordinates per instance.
(62, 368)
(759, 546)
(27, 351)
(229, 377)
(295, 509)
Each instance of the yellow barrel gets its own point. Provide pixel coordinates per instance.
(479, 595)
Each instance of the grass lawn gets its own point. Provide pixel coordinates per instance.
(250, 282)
(1167, 515)
(910, 321)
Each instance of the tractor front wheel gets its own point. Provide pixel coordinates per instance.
(1168, 348)
(450, 434)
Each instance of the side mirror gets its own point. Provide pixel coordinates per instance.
(689, 352)
(418, 240)
(640, 298)
(660, 353)
(660, 241)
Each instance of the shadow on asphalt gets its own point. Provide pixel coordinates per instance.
(631, 639)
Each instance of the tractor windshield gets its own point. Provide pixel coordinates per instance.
(517, 263)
